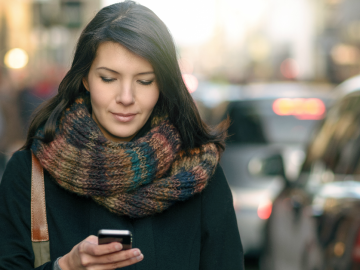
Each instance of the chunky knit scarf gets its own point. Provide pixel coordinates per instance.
(137, 178)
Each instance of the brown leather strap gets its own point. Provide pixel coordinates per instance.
(39, 226)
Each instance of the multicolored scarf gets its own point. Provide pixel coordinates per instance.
(137, 178)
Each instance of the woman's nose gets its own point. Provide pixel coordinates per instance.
(125, 95)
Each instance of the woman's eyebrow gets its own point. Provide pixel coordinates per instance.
(111, 70)
(108, 69)
(144, 73)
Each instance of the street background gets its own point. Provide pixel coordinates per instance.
(225, 42)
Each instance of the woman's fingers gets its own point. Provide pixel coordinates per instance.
(109, 256)
(119, 256)
(88, 246)
(89, 255)
(112, 258)
(119, 264)
(92, 239)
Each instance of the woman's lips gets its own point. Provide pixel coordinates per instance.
(122, 117)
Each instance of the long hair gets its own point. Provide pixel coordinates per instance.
(139, 30)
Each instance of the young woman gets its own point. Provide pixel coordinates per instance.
(123, 147)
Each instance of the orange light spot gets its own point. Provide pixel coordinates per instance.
(301, 108)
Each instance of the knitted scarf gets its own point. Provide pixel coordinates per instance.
(137, 178)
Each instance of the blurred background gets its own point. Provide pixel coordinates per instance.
(272, 65)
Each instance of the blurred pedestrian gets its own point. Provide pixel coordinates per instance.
(32, 95)
(123, 147)
(11, 135)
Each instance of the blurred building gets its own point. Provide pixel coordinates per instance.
(46, 29)
(262, 40)
(339, 39)
(37, 40)
(271, 40)
(258, 40)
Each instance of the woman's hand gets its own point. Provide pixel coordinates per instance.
(91, 256)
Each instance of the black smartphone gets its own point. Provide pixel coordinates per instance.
(122, 236)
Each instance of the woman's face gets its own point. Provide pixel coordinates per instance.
(123, 91)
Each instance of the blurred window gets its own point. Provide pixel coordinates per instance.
(246, 125)
(72, 12)
(342, 151)
(349, 150)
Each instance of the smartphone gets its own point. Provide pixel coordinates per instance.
(122, 236)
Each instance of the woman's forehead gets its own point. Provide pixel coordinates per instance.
(116, 57)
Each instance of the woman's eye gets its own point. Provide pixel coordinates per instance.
(107, 80)
(144, 82)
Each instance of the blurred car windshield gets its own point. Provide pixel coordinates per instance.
(258, 122)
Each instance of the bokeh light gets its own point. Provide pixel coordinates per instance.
(301, 108)
(16, 58)
(264, 209)
(289, 68)
(191, 82)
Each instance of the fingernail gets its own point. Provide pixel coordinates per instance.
(118, 247)
(140, 257)
(136, 253)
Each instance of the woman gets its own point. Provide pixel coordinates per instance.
(123, 147)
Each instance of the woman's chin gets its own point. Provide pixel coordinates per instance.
(122, 137)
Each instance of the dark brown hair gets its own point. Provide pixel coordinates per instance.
(142, 32)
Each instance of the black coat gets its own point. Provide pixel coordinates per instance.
(200, 233)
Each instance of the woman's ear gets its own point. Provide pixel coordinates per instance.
(85, 83)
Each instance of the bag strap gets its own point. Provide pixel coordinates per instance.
(39, 226)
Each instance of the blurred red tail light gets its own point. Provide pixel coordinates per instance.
(301, 108)
(356, 249)
(264, 209)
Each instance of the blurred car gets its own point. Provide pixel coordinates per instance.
(265, 119)
(315, 222)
